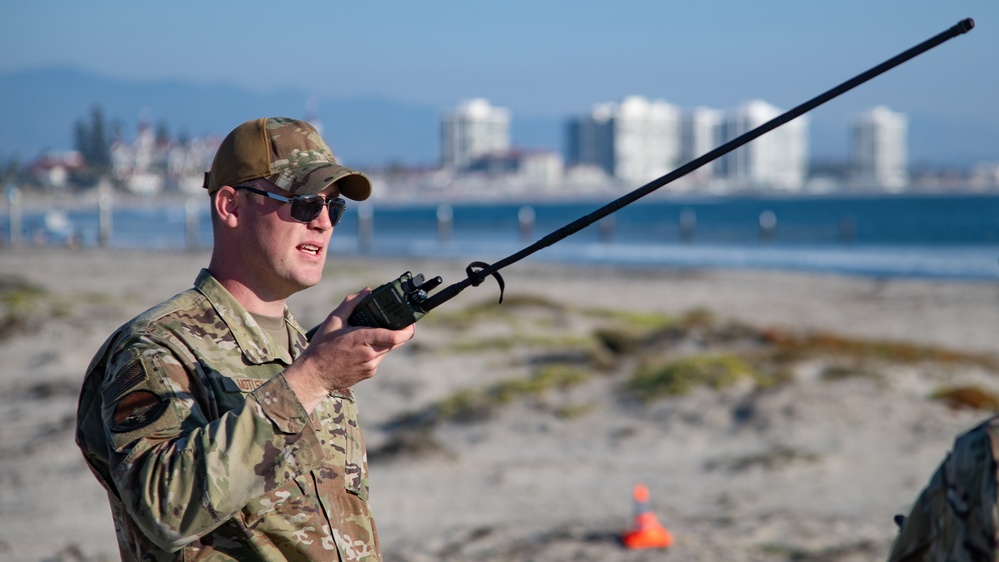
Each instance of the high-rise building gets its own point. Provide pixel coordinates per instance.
(700, 132)
(879, 155)
(775, 160)
(472, 130)
(634, 141)
(590, 140)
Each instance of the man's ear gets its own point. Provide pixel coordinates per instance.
(226, 206)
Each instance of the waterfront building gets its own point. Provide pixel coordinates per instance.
(139, 165)
(149, 165)
(878, 150)
(187, 162)
(985, 175)
(54, 169)
(473, 130)
(634, 141)
(589, 142)
(700, 132)
(777, 160)
(531, 169)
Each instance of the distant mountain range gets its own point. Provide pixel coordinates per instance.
(39, 107)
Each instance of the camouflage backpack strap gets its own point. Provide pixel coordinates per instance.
(954, 518)
(971, 479)
(992, 427)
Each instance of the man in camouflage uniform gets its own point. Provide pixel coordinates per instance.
(955, 517)
(218, 430)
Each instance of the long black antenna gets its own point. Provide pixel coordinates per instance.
(478, 271)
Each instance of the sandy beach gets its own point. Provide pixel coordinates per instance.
(782, 416)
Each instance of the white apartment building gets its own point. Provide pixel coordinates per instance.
(700, 132)
(472, 130)
(775, 160)
(878, 150)
(634, 141)
(646, 139)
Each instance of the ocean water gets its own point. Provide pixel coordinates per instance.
(951, 236)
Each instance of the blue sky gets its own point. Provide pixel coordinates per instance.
(535, 57)
(544, 59)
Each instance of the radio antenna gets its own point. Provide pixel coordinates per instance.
(478, 271)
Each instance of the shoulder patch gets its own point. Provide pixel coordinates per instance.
(133, 375)
(137, 410)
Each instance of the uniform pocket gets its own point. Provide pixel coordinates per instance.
(289, 497)
(339, 425)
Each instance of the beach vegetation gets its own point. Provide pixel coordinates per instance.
(506, 343)
(699, 317)
(766, 375)
(679, 377)
(409, 444)
(628, 332)
(573, 411)
(566, 348)
(775, 458)
(556, 376)
(62, 309)
(622, 340)
(837, 372)
(968, 397)
(18, 293)
(796, 346)
(861, 549)
(652, 356)
(20, 301)
(634, 319)
(493, 311)
(471, 404)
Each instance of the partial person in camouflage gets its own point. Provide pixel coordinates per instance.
(217, 429)
(955, 517)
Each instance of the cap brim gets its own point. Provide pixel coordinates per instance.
(351, 183)
(354, 185)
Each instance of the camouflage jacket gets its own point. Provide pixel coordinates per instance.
(955, 517)
(186, 419)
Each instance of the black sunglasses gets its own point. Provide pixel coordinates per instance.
(306, 208)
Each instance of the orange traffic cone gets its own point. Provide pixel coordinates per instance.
(648, 533)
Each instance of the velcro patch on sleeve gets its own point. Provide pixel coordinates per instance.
(136, 410)
(133, 375)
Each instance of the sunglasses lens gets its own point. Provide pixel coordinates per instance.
(337, 207)
(306, 208)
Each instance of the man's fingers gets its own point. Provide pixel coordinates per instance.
(350, 302)
(382, 340)
(338, 318)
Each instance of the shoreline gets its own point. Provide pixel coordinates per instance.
(838, 238)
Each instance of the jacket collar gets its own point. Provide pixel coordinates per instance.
(256, 346)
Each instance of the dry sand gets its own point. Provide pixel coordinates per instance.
(811, 469)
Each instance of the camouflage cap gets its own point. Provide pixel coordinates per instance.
(287, 152)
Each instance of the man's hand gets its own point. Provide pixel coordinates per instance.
(341, 355)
